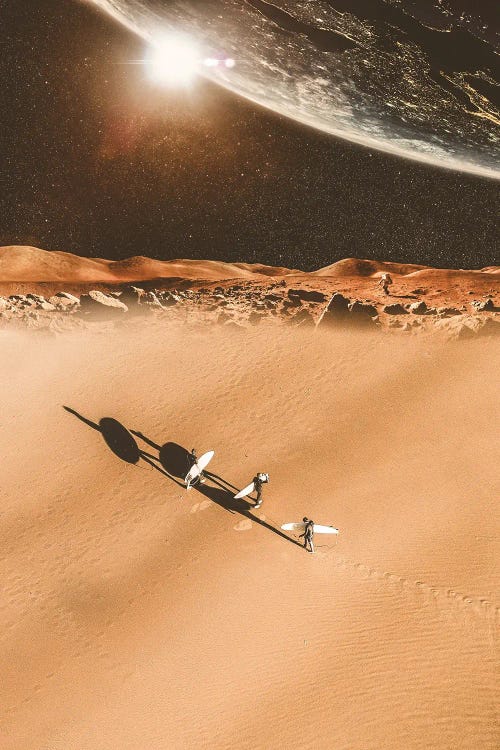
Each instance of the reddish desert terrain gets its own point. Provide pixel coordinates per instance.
(21, 264)
(35, 284)
(138, 615)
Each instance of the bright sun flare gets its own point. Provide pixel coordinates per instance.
(174, 60)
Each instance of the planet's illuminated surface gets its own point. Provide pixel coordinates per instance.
(415, 78)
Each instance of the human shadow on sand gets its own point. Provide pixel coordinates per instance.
(120, 441)
(175, 462)
(225, 499)
(172, 457)
(175, 459)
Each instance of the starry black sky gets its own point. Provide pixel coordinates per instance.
(97, 161)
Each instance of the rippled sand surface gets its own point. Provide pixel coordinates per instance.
(136, 615)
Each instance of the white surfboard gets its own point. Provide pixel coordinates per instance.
(245, 491)
(198, 467)
(318, 528)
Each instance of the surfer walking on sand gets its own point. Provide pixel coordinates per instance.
(308, 534)
(385, 282)
(255, 486)
(193, 461)
(258, 484)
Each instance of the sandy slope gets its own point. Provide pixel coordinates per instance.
(135, 615)
(359, 267)
(30, 264)
(23, 264)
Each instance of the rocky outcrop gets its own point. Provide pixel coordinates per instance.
(19, 301)
(362, 310)
(169, 299)
(102, 305)
(291, 302)
(306, 295)
(447, 312)
(46, 306)
(420, 308)
(248, 303)
(485, 306)
(336, 311)
(150, 299)
(64, 301)
(339, 304)
(132, 296)
(341, 311)
(67, 297)
(22, 302)
(396, 309)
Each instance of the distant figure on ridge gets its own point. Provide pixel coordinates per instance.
(385, 282)
(308, 534)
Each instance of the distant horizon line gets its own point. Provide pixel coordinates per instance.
(28, 261)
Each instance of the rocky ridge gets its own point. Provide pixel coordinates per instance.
(248, 303)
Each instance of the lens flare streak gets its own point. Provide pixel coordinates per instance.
(175, 60)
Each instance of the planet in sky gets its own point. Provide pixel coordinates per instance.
(414, 78)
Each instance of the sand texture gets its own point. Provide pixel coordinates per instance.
(136, 615)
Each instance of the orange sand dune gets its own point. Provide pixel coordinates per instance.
(359, 267)
(351, 267)
(25, 264)
(19, 263)
(29, 264)
(138, 616)
(447, 275)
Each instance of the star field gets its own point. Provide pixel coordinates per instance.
(98, 161)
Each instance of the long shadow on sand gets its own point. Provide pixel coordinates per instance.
(175, 462)
(175, 459)
(120, 441)
(225, 498)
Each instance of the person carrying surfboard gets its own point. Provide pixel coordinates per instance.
(258, 484)
(255, 486)
(308, 534)
(192, 461)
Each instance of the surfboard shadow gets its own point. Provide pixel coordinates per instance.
(174, 462)
(121, 442)
(225, 499)
(175, 459)
(215, 478)
(115, 435)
